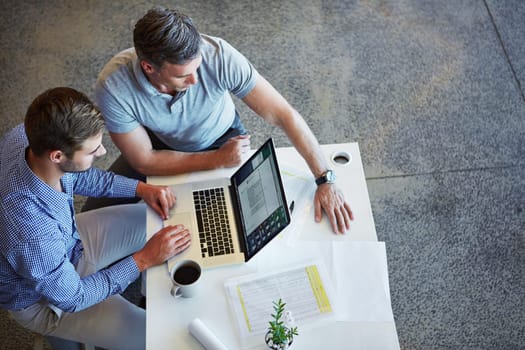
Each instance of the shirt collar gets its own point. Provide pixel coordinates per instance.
(39, 188)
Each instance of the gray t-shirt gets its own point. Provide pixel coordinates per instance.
(188, 123)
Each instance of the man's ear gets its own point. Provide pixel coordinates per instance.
(147, 67)
(56, 156)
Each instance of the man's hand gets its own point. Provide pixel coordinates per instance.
(169, 241)
(159, 198)
(230, 154)
(330, 199)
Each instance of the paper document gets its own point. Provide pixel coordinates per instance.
(305, 290)
(361, 279)
(299, 188)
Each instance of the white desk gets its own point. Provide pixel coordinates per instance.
(167, 319)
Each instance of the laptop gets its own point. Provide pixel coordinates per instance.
(231, 219)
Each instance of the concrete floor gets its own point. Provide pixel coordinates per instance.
(433, 92)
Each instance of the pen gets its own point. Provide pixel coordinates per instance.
(292, 205)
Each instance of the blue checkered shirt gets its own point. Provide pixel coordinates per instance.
(39, 242)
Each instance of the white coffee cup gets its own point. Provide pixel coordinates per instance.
(185, 276)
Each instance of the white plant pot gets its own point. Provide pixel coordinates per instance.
(271, 345)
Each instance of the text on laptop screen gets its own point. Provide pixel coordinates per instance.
(261, 200)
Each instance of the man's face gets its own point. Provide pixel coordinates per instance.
(172, 78)
(84, 158)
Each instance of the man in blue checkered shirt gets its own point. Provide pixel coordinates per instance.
(61, 274)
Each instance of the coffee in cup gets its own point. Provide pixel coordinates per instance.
(185, 276)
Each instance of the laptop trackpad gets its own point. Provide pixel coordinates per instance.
(180, 219)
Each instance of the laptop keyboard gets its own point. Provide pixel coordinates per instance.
(212, 220)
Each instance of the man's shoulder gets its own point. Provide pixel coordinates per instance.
(11, 145)
(210, 41)
(227, 66)
(15, 135)
(118, 79)
(214, 45)
(119, 66)
(218, 54)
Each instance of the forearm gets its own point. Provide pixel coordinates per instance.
(169, 162)
(305, 142)
(75, 294)
(142, 262)
(272, 107)
(137, 149)
(99, 183)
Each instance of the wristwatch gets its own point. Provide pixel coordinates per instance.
(326, 177)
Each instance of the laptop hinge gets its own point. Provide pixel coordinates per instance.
(238, 221)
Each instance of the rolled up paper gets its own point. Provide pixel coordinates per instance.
(205, 336)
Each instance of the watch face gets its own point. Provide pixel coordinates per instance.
(327, 177)
(330, 176)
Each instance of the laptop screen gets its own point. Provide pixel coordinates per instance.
(260, 196)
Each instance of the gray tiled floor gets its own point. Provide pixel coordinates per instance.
(433, 91)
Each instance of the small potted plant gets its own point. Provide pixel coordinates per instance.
(280, 331)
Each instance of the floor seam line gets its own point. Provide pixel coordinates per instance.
(516, 79)
(466, 170)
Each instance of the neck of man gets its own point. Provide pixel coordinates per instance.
(45, 170)
(152, 78)
(161, 88)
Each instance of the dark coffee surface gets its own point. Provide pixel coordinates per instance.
(186, 274)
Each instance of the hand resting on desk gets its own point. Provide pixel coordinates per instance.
(330, 199)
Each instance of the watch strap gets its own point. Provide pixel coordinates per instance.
(326, 177)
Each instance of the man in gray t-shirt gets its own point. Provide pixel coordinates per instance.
(188, 121)
(168, 108)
